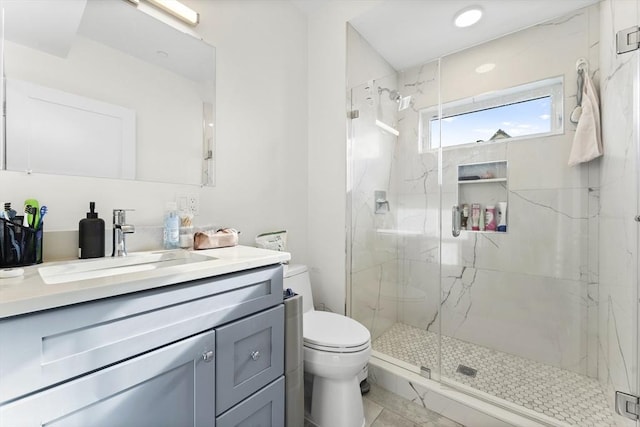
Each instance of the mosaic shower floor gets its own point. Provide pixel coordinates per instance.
(557, 393)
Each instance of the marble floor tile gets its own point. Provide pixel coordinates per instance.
(391, 419)
(560, 394)
(383, 408)
(406, 408)
(400, 412)
(371, 411)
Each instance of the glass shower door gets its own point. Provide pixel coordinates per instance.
(619, 206)
(393, 199)
(519, 287)
(372, 249)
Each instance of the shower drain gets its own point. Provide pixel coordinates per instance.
(465, 370)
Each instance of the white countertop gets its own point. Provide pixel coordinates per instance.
(30, 293)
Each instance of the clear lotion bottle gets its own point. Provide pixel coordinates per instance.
(171, 237)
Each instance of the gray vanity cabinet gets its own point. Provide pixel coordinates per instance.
(150, 358)
(171, 386)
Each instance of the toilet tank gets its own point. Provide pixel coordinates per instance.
(296, 277)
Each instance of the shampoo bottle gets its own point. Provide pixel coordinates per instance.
(502, 211)
(91, 235)
(465, 216)
(475, 217)
(490, 218)
(171, 239)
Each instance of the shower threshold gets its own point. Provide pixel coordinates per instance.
(559, 394)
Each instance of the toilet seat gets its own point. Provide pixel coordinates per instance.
(334, 333)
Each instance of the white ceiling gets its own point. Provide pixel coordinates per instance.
(411, 32)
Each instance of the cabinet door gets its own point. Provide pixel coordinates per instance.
(263, 409)
(249, 355)
(170, 386)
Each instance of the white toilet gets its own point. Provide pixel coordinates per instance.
(336, 349)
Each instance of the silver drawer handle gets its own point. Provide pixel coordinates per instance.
(255, 355)
(207, 356)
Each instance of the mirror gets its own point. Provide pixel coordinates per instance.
(103, 88)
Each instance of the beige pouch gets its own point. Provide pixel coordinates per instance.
(215, 239)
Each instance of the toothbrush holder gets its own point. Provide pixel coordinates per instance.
(19, 245)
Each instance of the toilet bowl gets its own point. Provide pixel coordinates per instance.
(336, 349)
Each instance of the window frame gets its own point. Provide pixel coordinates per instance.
(551, 87)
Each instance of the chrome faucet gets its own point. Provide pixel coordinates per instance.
(120, 228)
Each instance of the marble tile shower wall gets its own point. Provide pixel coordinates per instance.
(373, 247)
(618, 280)
(531, 292)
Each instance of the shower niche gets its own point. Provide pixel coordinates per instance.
(482, 196)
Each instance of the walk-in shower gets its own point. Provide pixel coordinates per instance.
(533, 319)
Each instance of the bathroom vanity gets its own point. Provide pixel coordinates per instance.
(198, 344)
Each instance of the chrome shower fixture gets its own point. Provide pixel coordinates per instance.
(403, 101)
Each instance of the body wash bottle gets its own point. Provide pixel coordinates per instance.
(502, 212)
(171, 238)
(475, 217)
(490, 218)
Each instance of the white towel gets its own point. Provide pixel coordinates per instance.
(587, 142)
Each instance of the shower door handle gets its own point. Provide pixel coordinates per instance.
(455, 221)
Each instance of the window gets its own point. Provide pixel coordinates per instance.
(533, 109)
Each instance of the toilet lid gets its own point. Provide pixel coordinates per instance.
(322, 329)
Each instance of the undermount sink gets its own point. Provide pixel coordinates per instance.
(105, 267)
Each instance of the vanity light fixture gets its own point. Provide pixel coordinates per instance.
(175, 8)
(467, 17)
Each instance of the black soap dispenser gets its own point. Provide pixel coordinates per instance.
(91, 235)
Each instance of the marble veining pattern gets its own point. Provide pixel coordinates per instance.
(618, 238)
(560, 394)
(383, 408)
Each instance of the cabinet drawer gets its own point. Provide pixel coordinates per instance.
(263, 409)
(170, 386)
(45, 348)
(249, 355)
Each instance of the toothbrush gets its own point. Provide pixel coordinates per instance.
(29, 216)
(36, 207)
(9, 213)
(38, 230)
(29, 239)
(43, 212)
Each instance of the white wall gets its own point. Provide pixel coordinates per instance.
(364, 63)
(327, 149)
(261, 104)
(261, 141)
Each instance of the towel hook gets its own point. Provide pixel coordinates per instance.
(582, 65)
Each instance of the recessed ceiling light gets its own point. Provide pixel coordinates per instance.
(468, 17)
(485, 68)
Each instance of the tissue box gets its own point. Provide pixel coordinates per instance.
(274, 240)
(215, 239)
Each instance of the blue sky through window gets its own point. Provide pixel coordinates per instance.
(522, 118)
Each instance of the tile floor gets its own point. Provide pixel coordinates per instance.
(563, 395)
(385, 409)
